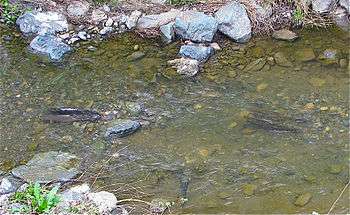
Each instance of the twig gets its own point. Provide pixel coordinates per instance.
(133, 200)
(335, 202)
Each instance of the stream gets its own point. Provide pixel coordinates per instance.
(244, 136)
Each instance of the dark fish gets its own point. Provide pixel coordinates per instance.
(69, 115)
(273, 121)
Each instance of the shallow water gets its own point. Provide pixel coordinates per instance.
(198, 130)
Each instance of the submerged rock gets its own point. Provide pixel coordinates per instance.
(234, 22)
(50, 46)
(303, 199)
(305, 54)
(159, 206)
(122, 128)
(196, 26)
(329, 57)
(68, 115)
(185, 66)
(342, 19)
(255, 65)
(48, 167)
(282, 60)
(196, 51)
(104, 201)
(42, 23)
(285, 34)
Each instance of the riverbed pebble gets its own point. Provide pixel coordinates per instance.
(106, 202)
(303, 199)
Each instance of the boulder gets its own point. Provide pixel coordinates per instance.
(42, 23)
(168, 32)
(185, 66)
(322, 6)
(105, 202)
(132, 19)
(48, 167)
(78, 9)
(196, 26)
(157, 20)
(196, 51)
(345, 4)
(285, 34)
(122, 128)
(50, 46)
(234, 22)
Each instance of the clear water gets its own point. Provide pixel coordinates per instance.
(198, 131)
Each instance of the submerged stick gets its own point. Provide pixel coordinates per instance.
(340, 195)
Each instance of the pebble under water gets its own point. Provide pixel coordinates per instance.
(245, 136)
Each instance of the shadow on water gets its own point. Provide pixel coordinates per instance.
(231, 140)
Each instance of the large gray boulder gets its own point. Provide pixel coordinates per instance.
(48, 167)
(322, 6)
(234, 22)
(196, 51)
(42, 23)
(196, 26)
(157, 20)
(51, 46)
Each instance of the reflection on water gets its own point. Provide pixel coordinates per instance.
(245, 136)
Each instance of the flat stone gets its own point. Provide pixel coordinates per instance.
(104, 201)
(42, 23)
(196, 51)
(305, 55)
(196, 26)
(234, 22)
(157, 20)
(255, 65)
(132, 19)
(303, 199)
(48, 167)
(51, 46)
(321, 6)
(282, 60)
(78, 9)
(185, 66)
(168, 32)
(122, 128)
(285, 34)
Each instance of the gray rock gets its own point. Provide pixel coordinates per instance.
(136, 56)
(197, 52)
(185, 66)
(9, 184)
(42, 23)
(157, 20)
(109, 22)
(196, 26)
(282, 60)
(341, 19)
(168, 32)
(321, 6)
(73, 196)
(98, 16)
(263, 10)
(106, 30)
(122, 128)
(105, 202)
(345, 4)
(48, 167)
(132, 19)
(285, 34)
(50, 46)
(77, 9)
(82, 35)
(159, 206)
(159, 1)
(234, 22)
(134, 108)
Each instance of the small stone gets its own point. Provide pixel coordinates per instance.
(309, 106)
(82, 35)
(343, 63)
(324, 108)
(199, 52)
(106, 202)
(98, 15)
(122, 128)
(215, 46)
(159, 206)
(136, 56)
(303, 199)
(109, 22)
(317, 82)
(198, 106)
(6, 186)
(261, 87)
(282, 60)
(232, 74)
(91, 48)
(185, 66)
(249, 189)
(329, 57)
(136, 47)
(335, 169)
(248, 131)
(106, 8)
(204, 152)
(256, 65)
(64, 36)
(305, 55)
(106, 30)
(233, 125)
(285, 34)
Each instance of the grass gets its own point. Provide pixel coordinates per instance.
(181, 2)
(9, 12)
(36, 199)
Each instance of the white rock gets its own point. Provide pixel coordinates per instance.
(6, 186)
(64, 36)
(98, 15)
(109, 22)
(132, 19)
(157, 20)
(106, 8)
(215, 46)
(82, 35)
(185, 66)
(104, 201)
(73, 40)
(106, 30)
